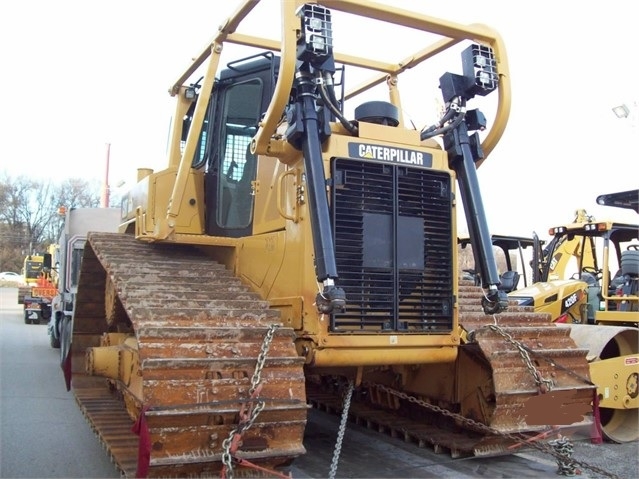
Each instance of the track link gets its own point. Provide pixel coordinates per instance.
(199, 334)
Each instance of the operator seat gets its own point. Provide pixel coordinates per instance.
(593, 295)
(508, 281)
(630, 274)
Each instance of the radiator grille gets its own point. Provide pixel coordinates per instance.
(393, 247)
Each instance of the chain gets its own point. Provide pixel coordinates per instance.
(564, 447)
(261, 358)
(230, 444)
(342, 429)
(544, 385)
(543, 447)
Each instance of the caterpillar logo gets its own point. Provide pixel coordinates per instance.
(389, 154)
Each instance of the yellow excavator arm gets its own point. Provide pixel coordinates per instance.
(576, 250)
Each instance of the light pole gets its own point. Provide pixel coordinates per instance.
(104, 200)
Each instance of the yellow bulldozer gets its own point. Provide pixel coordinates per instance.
(301, 243)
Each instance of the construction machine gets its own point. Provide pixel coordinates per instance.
(572, 282)
(601, 259)
(32, 268)
(41, 278)
(607, 260)
(292, 251)
(511, 252)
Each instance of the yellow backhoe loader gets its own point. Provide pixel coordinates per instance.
(292, 251)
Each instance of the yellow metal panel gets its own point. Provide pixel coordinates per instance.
(373, 356)
(617, 316)
(150, 198)
(266, 217)
(389, 340)
(616, 380)
(260, 256)
(291, 310)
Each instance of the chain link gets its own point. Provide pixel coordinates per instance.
(342, 429)
(544, 385)
(226, 456)
(564, 447)
(261, 358)
(518, 438)
(247, 420)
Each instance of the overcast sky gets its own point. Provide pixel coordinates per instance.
(77, 75)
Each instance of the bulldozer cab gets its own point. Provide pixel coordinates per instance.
(240, 97)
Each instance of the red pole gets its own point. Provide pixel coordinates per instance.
(104, 200)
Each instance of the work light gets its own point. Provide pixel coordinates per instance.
(316, 42)
(189, 93)
(479, 64)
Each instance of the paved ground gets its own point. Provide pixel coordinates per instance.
(42, 431)
(386, 457)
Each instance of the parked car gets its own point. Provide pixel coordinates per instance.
(12, 277)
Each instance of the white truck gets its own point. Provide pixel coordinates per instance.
(78, 222)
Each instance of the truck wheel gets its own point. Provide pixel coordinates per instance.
(55, 342)
(26, 318)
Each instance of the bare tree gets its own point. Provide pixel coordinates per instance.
(78, 193)
(29, 213)
(71, 193)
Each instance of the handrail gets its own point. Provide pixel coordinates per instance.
(452, 32)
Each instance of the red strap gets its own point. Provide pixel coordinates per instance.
(236, 442)
(66, 368)
(597, 435)
(144, 445)
(245, 463)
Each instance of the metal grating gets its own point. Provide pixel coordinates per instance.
(393, 246)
